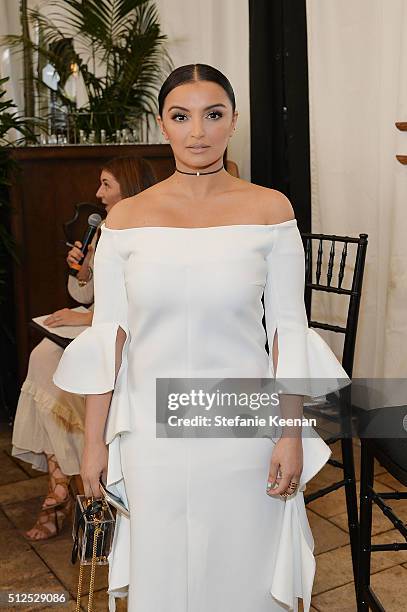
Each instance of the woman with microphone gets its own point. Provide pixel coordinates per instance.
(49, 422)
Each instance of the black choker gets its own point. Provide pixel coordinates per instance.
(200, 173)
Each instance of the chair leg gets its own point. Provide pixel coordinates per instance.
(351, 501)
(366, 482)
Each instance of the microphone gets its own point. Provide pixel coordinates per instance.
(93, 221)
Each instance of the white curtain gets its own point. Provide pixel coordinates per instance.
(358, 89)
(216, 33)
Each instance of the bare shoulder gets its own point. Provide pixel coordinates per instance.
(269, 205)
(273, 205)
(278, 207)
(123, 214)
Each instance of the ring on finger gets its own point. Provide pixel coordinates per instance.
(271, 485)
(292, 485)
(285, 494)
(288, 492)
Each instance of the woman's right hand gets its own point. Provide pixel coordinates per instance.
(75, 255)
(94, 464)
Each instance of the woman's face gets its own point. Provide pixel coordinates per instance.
(198, 120)
(109, 190)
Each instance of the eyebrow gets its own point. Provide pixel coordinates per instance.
(205, 109)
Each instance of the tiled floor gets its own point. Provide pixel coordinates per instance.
(45, 566)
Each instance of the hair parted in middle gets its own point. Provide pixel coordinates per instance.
(191, 73)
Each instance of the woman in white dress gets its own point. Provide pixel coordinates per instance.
(180, 271)
(49, 422)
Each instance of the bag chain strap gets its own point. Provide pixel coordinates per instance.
(97, 531)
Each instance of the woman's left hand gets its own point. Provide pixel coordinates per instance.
(66, 316)
(285, 465)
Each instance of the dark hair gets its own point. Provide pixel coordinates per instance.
(134, 174)
(190, 73)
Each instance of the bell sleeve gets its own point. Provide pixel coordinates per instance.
(306, 365)
(87, 365)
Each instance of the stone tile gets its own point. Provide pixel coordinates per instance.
(44, 583)
(12, 544)
(342, 599)
(336, 454)
(24, 490)
(391, 482)
(56, 554)
(10, 471)
(26, 467)
(391, 588)
(23, 514)
(388, 558)
(21, 566)
(380, 522)
(67, 607)
(4, 521)
(334, 568)
(101, 599)
(378, 469)
(5, 437)
(326, 535)
(329, 505)
(334, 503)
(326, 476)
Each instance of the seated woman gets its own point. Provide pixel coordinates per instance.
(49, 423)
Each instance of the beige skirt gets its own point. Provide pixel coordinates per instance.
(48, 420)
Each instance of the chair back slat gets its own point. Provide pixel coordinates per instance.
(319, 262)
(331, 263)
(354, 292)
(342, 264)
(308, 261)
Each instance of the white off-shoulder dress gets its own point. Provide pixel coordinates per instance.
(203, 534)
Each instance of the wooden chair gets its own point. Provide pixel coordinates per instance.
(75, 227)
(392, 455)
(332, 282)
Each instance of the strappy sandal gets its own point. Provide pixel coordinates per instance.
(53, 483)
(48, 517)
(53, 514)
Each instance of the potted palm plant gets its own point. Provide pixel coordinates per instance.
(116, 51)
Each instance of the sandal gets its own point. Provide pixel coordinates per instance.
(52, 515)
(55, 482)
(50, 521)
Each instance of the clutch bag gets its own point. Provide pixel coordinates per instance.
(92, 532)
